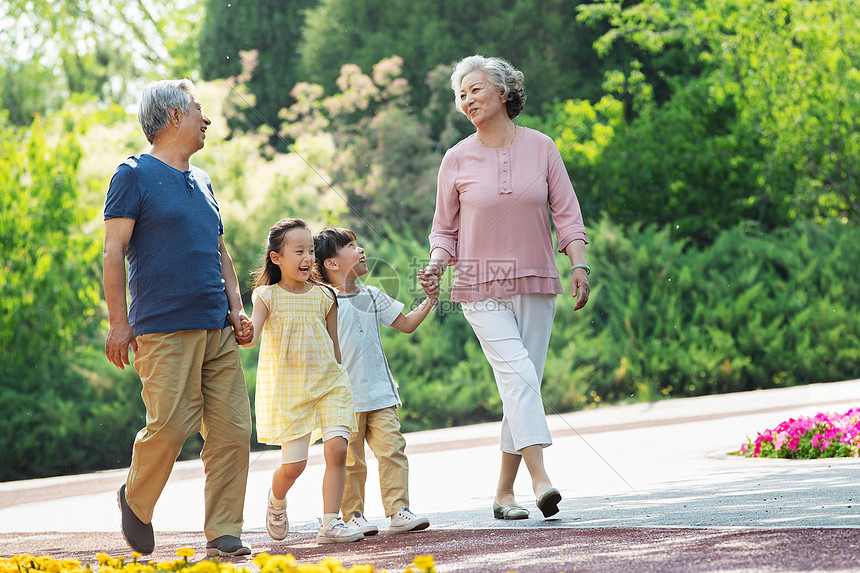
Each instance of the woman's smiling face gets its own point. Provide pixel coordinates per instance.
(480, 100)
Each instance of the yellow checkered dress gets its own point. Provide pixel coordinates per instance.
(300, 385)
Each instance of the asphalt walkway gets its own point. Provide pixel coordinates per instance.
(638, 481)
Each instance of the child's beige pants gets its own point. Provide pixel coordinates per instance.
(381, 430)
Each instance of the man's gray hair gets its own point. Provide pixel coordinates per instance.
(501, 73)
(157, 99)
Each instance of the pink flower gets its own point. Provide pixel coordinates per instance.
(822, 430)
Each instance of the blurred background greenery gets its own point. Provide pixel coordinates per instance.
(713, 144)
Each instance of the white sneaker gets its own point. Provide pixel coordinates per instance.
(276, 520)
(360, 523)
(404, 520)
(338, 532)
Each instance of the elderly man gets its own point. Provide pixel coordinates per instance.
(184, 321)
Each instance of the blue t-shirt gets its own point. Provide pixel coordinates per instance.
(174, 264)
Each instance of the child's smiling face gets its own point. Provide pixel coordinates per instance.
(350, 258)
(296, 256)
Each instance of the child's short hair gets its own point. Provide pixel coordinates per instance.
(326, 244)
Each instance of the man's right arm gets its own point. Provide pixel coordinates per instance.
(117, 236)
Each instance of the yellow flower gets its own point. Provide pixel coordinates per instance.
(425, 563)
(331, 564)
(207, 567)
(226, 568)
(275, 563)
(70, 564)
(362, 569)
(308, 568)
(185, 552)
(102, 558)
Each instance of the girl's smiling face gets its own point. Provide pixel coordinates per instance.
(295, 258)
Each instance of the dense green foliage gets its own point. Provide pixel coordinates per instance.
(543, 37)
(273, 29)
(713, 145)
(55, 409)
(767, 130)
(383, 163)
(54, 49)
(751, 311)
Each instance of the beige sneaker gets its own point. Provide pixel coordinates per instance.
(359, 522)
(277, 523)
(404, 520)
(338, 532)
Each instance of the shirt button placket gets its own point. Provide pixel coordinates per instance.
(504, 173)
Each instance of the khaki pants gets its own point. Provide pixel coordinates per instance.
(193, 381)
(381, 430)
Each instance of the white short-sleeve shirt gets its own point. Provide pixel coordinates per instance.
(358, 318)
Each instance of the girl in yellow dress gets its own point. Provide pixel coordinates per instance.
(303, 392)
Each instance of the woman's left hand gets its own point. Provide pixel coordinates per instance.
(579, 287)
(430, 278)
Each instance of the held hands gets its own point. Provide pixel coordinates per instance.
(579, 287)
(119, 338)
(429, 278)
(243, 328)
(429, 291)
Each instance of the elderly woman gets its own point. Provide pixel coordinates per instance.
(496, 191)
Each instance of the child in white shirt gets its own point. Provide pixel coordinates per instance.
(361, 309)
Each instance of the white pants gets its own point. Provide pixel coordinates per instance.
(514, 333)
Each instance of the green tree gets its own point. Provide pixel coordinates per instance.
(55, 411)
(767, 132)
(541, 37)
(273, 29)
(385, 163)
(690, 165)
(794, 69)
(54, 49)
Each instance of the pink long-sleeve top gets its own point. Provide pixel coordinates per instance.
(493, 209)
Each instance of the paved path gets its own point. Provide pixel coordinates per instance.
(646, 487)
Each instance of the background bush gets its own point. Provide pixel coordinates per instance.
(665, 319)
